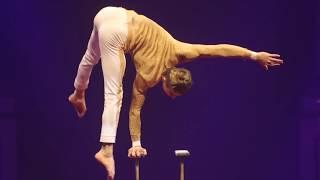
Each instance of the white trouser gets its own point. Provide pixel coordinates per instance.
(107, 41)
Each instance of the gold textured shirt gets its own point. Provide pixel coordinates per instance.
(153, 50)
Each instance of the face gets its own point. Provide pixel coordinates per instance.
(169, 92)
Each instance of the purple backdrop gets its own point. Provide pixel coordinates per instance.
(239, 122)
(310, 124)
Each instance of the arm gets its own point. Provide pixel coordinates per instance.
(189, 52)
(138, 98)
(193, 51)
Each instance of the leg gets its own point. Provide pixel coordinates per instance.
(90, 58)
(113, 66)
(113, 73)
(112, 107)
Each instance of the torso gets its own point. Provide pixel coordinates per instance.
(152, 48)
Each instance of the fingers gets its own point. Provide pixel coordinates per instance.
(137, 152)
(268, 60)
(273, 63)
(275, 55)
(276, 60)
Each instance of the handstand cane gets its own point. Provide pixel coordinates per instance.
(182, 154)
(137, 167)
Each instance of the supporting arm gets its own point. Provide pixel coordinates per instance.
(138, 98)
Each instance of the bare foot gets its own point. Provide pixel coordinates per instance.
(107, 161)
(79, 104)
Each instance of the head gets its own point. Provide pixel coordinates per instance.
(176, 81)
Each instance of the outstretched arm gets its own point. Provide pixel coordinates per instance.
(138, 97)
(189, 52)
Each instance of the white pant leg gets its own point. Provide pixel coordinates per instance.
(112, 38)
(89, 59)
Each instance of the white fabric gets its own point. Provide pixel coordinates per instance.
(136, 143)
(253, 55)
(107, 42)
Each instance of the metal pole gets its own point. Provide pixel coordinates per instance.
(181, 169)
(182, 154)
(137, 169)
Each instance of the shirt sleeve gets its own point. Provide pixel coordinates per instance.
(90, 58)
(138, 98)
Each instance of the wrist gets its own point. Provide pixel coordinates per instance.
(253, 55)
(136, 143)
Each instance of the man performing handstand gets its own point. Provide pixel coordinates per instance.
(156, 53)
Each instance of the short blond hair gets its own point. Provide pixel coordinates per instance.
(178, 79)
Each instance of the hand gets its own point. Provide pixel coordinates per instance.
(137, 152)
(78, 101)
(266, 59)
